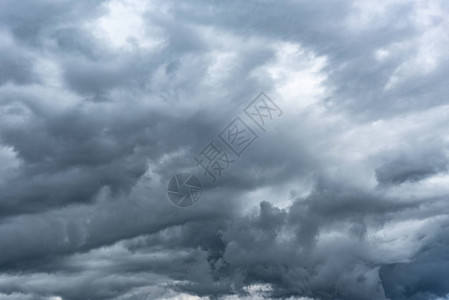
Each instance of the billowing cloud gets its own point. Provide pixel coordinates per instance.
(342, 196)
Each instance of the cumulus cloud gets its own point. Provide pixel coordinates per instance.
(344, 196)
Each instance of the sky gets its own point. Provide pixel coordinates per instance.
(342, 193)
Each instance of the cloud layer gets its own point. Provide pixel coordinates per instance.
(342, 197)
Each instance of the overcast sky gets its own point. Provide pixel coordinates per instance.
(343, 195)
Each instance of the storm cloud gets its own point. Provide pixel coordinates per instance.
(342, 196)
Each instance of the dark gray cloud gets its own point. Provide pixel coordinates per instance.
(342, 197)
(414, 166)
(422, 278)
